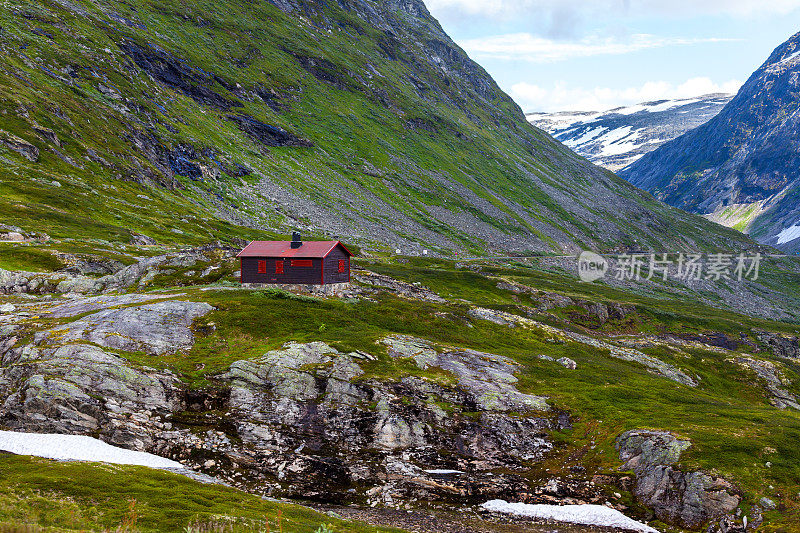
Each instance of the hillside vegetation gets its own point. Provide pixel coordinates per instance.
(644, 359)
(187, 121)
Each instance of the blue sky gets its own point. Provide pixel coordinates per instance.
(554, 55)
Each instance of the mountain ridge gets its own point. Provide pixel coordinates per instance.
(739, 168)
(254, 120)
(617, 137)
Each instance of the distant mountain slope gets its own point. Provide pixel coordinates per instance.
(742, 167)
(187, 121)
(616, 138)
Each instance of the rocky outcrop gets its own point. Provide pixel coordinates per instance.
(780, 345)
(401, 288)
(774, 381)
(178, 74)
(21, 146)
(267, 134)
(81, 389)
(685, 499)
(137, 274)
(487, 378)
(87, 304)
(654, 364)
(596, 313)
(298, 421)
(156, 329)
(309, 422)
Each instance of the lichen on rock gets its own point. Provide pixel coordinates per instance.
(686, 499)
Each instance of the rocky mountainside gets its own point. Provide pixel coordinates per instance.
(741, 167)
(616, 138)
(183, 122)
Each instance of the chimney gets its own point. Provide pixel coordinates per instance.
(296, 242)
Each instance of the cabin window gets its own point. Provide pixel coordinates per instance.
(302, 263)
(279, 267)
(342, 265)
(262, 267)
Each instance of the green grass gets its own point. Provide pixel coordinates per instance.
(728, 417)
(660, 310)
(28, 258)
(102, 497)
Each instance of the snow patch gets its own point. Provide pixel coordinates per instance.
(443, 471)
(79, 448)
(611, 144)
(653, 107)
(789, 57)
(586, 137)
(791, 233)
(589, 515)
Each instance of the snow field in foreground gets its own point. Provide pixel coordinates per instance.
(78, 448)
(590, 515)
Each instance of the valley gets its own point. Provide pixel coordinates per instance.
(455, 374)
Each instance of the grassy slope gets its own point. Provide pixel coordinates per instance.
(99, 497)
(55, 62)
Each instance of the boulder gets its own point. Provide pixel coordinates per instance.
(14, 237)
(566, 362)
(685, 499)
(767, 503)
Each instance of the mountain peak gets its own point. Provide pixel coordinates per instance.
(617, 137)
(740, 167)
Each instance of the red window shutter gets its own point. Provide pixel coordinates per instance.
(262, 267)
(279, 267)
(342, 265)
(302, 262)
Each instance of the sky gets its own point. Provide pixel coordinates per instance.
(586, 55)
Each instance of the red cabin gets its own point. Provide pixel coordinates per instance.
(295, 262)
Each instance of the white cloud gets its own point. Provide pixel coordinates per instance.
(561, 97)
(511, 8)
(527, 47)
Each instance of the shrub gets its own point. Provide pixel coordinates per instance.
(281, 294)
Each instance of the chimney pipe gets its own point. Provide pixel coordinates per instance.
(296, 242)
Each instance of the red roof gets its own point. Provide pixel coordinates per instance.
(317, 249)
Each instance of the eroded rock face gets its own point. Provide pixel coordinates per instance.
(157, 328)
(782, 346)
(81, 389)
(688, 500)
(307, 419)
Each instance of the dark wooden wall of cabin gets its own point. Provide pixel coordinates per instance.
(332, 274)
(291, 274)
